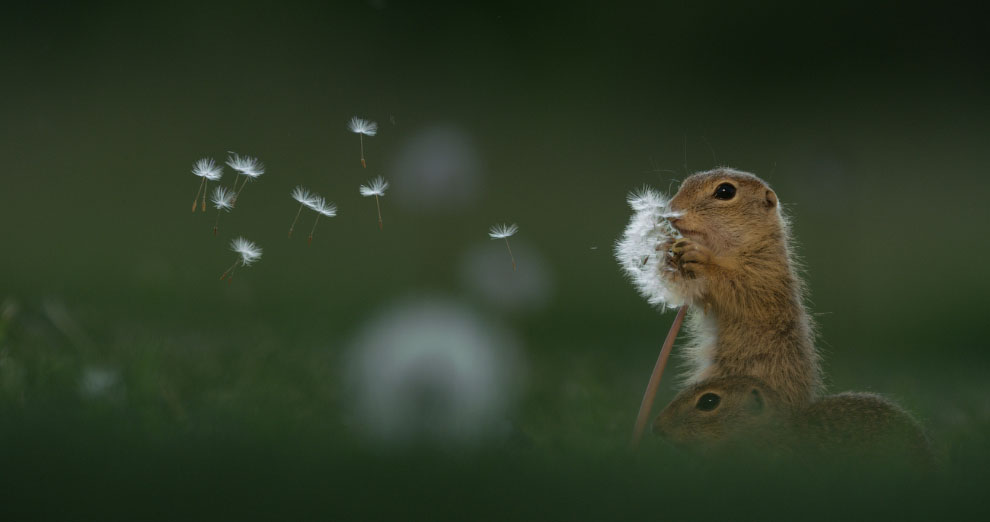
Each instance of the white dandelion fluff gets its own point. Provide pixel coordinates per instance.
(250, 167)
(207, 170)
(377, 188)
(322, 208)
(326, 209)
(362, 128)
(303, 195)
(248, 251)
(222, 199)
(637, 252)
(305, 199)
(246, 165)
(503, 231)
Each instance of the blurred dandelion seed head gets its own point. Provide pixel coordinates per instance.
(432, 371)
(98, 382)
(483, 272)
(437, 169)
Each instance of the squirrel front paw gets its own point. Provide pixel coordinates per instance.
(689, 257)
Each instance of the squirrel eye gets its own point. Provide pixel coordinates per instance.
(708, 402)
(725, 191)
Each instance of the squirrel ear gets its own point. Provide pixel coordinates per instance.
(771, 199)
(756, 401)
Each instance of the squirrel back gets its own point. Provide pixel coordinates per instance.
(738, 412)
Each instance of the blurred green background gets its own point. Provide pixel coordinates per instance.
(133, 381)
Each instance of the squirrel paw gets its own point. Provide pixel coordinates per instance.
(689, 257)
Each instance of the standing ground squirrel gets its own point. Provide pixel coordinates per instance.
(735, 267)
(729, 412)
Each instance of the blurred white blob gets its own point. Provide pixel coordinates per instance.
(432, 371)
(437, 169)
(485, 272)
(97, 382)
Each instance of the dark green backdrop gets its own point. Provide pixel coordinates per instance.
(870, 122)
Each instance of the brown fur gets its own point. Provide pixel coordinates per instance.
(752, 414)
(734, 266)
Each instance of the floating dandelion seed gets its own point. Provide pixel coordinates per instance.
(305, 199)
(322, 208)
(363, 128)
(504, 231)
(249, 253)
(222, 199)
(208, 171)
(250, 167)
(377, 188)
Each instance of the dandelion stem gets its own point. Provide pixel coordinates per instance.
(363, 163)
(311, 232)
(216, 224)
(651, 387)
(510, 254)
(291, 228)
(237, 191)
(196, 198)
(379, 212)
(229, 270)
(205, 190)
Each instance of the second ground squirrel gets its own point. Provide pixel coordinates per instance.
(743, 412)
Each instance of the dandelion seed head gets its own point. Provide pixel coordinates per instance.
(222, 198)
(248, 250)
(246, 165)
(503, 231)
(320, 205)
(375, 187)
(304, 196)
(207, 168)
(363, 126)
(637, 252)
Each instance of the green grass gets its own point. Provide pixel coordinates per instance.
(252, 422)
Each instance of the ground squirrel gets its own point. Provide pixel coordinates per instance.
(735, 267)
(729, 412)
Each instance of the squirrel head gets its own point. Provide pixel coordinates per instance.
(726, 209)
(718, 411)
